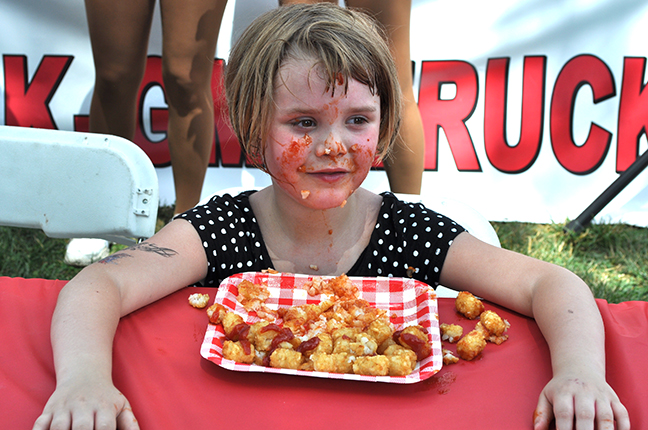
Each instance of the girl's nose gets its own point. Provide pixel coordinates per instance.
(332, 146)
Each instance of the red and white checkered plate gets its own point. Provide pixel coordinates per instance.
(408, 302)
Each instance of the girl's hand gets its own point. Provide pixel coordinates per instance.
(584, 403)
(87, 406)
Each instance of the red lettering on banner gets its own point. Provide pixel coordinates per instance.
(226, 150)
(27, 103)
(633, 112)
(577, 72)
(448, 114)
(157, 151)
(504, 157)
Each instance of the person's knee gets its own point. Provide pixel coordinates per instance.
(118, 78)
(185, 84)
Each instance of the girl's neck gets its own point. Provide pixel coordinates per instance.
(305, 240)
(301, 224)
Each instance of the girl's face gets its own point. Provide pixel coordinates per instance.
(321, 144)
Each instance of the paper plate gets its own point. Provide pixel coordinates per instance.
(407, 301)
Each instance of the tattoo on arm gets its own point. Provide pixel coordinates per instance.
(112, 259)
(144, 246)
(151, 247)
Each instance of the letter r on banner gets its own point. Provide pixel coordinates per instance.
(448, 114)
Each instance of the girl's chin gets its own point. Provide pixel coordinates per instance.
(322, 200)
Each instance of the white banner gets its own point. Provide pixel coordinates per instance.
(531, 109)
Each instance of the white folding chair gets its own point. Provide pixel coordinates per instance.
(76, 185)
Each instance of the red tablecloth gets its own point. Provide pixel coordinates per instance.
(158, 367)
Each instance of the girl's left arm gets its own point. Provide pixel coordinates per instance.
(566, 313)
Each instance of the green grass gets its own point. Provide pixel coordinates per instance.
(609, 257)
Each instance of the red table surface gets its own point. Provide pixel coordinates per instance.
(157, 365)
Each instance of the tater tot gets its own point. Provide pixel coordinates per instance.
(386, 344)
(449, 357)
(380, 330)
(396, 349)
(471, 345)
(377, 365)
(238, 352)
(415, 338)
(216, 313)
(198, 300)
(493, 323)
(333, 363)
(498, 340)
(262, 337)
(231, 320)
(286, 358)
(349, 332)
(451, 332)
(324, 345)
(401, 365)
(468, 305)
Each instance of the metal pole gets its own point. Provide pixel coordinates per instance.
(583, 220)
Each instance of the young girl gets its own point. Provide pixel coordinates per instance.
(314, 98)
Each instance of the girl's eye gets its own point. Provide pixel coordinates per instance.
(305, 123)
(358, 120)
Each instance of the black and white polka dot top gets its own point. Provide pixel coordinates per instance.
(409, 240)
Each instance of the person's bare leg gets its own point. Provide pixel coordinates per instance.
(190, 31)
(406, 164)
(119, 33)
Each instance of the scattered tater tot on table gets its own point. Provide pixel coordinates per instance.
(449, 357)
(471, 345)
(451, 332)
(468, 305)
(198, 300)
(493, 323)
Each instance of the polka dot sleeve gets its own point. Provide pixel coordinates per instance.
(409, 240)
(230, 235)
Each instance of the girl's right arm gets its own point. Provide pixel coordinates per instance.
(86, 316)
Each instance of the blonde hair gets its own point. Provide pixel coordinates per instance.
(342, 41)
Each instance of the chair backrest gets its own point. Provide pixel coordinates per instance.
(76, 185)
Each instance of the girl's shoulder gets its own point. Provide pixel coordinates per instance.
(405, 212)
(226, 203)
(230, 236)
